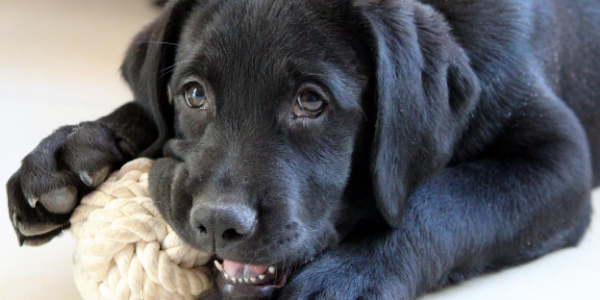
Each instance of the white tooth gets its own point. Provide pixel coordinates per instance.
(246, 280)
(272, 270)
(233, 279)
(240, 280)
(225, 275)
(219, 266)
(261, 277)
(253, 279)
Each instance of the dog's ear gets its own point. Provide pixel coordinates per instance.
(147, 66)
(425, 92)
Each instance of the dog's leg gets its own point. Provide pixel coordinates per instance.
(69, 163)
(528, 196)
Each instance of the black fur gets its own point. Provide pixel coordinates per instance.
(459, 137)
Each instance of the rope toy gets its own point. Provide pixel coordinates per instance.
(126, 250)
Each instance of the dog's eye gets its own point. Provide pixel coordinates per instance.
(195, 96)
(309, 104)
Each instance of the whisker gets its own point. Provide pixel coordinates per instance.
(168, 69)
(158, 43)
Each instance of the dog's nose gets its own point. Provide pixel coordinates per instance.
(223, 223)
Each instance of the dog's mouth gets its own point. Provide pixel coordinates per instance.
(249, 280)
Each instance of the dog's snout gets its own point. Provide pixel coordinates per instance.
(223, 223)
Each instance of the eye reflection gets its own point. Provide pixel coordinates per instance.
(309, 104)
(195, 97)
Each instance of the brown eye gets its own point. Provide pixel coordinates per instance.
(195, 96)
(309, 104)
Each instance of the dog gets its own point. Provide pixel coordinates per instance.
(347, 149)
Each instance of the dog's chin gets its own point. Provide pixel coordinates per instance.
(238, 280)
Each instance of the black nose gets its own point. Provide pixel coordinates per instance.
(222, 223)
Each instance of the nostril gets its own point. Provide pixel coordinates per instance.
(231, 235)
(223, 222)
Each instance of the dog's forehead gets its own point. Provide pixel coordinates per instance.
(259, 23)
(264, 36)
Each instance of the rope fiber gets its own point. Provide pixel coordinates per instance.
(126, 250)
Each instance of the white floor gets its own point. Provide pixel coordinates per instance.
(59, 65)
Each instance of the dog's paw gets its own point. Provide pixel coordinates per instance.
(341, 274)
(72, 161)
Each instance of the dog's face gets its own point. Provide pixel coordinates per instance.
(266, 124)
(272, 105)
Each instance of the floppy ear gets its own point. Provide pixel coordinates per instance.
(425, 91)
(147, 67)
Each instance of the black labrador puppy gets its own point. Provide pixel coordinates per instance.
(347, 149)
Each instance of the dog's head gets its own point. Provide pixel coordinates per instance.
(288, 121)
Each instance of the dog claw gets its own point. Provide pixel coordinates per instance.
(33, 201)
(21, 240)
(86, 178)
(95, 179)
(14, 220)
(60, 201)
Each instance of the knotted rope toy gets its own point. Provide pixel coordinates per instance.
(126, 250)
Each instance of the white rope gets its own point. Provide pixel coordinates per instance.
(126, 250)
